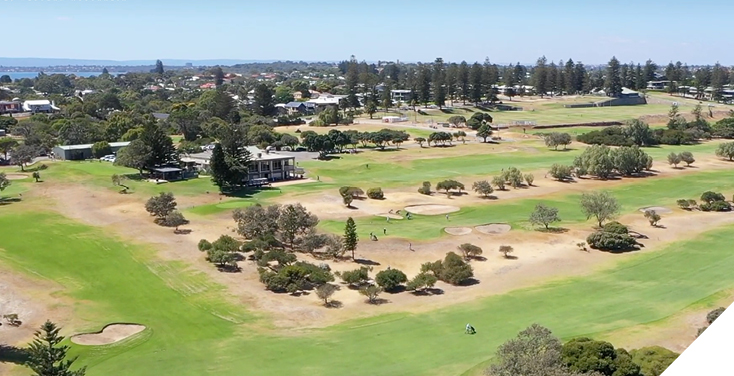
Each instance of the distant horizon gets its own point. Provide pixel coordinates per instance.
(41, 62)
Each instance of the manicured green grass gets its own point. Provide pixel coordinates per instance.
(546, 113)
(476, 160)
(192, 331)
(641, 193)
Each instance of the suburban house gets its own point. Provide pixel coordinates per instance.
(10, 107)
(209, 85)
(401, 95)
(81, 152)
(40, 105)
(265, 165)
(325, 101)
(657, 85)
(295, 108)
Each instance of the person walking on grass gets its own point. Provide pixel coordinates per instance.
(384, 231)
(447, 217)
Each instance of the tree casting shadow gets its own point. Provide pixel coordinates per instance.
(366, 262)
(469, 282)
(12, 354)
(553, 230)
(378, 301)
(334, 304)
(428, 292)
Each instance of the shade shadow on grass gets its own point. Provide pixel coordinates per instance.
(12, 354)
(366, 262)
(396, 290)
(469, 282)
(553, 230)
(334, 304)
(378, 301)
(428, 292)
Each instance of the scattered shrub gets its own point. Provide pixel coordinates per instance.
(425, 189)
(390, 279)
(653, 217)
(375, 193)
(710, 197)
(561, 172)
(609, 241)
(615, 227)
(716, 206)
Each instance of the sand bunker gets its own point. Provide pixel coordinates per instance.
(494, 228)
(110, 334)
(458, 230)
(658, 209)
(430, 209)
(16, 176)
(391, 216)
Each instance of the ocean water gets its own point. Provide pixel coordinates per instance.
(19, 75)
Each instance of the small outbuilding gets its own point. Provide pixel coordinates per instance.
(166, 173)
(82, 152)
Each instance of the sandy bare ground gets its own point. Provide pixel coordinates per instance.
(657, 209)
(494, 228)
(540, 256)
(110, 334)
(16, 176)
(458, 230)
(431, 209)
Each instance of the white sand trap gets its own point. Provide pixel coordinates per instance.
(494, 228)
(430, 209)
(391, 216)
(458, 230)
(16, 176)
(110, 334)
(658, 209)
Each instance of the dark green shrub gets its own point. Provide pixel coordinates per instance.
(375, 193)
(390, 279)
(608, 241)
(425, 189)
(615, 227)
(716, 206)
(710, 197)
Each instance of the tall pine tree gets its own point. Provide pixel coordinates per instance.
(613, 80)
(464, 81)
(424, 84)
(540, 77)
(475, 79)
(47, 356)
(439, 79)
(162, 151)
(350, 236)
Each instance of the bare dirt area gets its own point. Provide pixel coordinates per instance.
(432, 209)
(458, 230)
(538, 256)
(110, 334)
(34, 300)
(657, 209)
(494, 228)
(16, 176)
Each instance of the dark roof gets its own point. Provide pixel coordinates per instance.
(294, 104)
(166, 169)
(160, 115)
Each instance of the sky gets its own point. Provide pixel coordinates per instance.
(591, 31)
